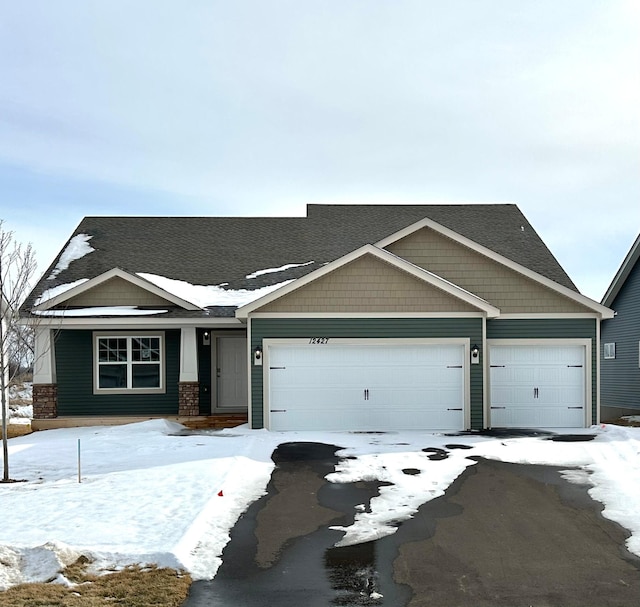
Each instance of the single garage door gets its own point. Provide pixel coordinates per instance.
(366, 387)
(537, 386)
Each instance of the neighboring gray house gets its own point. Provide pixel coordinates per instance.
(355, 317)
(621, 340)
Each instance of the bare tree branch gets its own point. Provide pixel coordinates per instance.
(17, 267)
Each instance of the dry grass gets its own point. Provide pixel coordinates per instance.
(14, 430)
(621, 421)
(132, 587)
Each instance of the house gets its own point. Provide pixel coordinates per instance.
(621, 340)
(355, 317)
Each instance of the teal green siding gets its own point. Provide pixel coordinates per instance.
(553, 328)
(359, 328)
(204, 374)
(74, 369)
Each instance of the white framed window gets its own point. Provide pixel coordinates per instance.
(609, 350)
(129, 363)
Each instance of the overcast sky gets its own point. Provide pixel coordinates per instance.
(258, 107)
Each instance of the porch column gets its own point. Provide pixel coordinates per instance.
(45, 388)
(188, 386)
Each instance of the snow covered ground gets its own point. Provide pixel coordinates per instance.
(145, 493)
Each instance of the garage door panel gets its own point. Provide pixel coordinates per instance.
(356, 387)
(542, 417)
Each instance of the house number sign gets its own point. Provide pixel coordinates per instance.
(318, 341)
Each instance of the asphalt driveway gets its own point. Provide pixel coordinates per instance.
(502, 535)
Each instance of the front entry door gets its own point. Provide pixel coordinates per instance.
(231, 372)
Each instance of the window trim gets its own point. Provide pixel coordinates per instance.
(97, 335)
(609, 350)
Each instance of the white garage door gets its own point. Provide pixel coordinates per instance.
(537, 386)
(366, 387)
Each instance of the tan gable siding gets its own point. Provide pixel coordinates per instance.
(506, 289)
(368, 285)
(117, 292)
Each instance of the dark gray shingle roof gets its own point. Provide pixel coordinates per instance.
(224, 250)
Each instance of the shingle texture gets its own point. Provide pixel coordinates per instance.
(224, 250)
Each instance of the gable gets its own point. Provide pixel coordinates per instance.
(502, 286)
(626, 302)
(116, 292)
(367, 284)
(624, 274)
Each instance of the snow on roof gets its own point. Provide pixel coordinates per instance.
(209, 295)
(100, 311)
(55, 291)
(280, 269)
(77, 248)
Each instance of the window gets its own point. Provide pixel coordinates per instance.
(610, 350)
(129, 363)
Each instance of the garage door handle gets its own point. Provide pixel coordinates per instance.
(498, 407)
(575, 407)
(459, 409)
(277, 410)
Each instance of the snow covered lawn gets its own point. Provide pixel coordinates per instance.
(150, 495)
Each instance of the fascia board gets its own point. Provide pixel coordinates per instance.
(116, 273)
(383, 255)
(501, 259)
(623, 273)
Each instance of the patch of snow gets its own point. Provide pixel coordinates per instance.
(77, 248)
(44, 562)
(209, 295)
(149, 495)
(22, 416)
(99, 311)
(21, 391)
(280, 269)
(59, 290)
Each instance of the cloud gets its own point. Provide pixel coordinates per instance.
(257, 108)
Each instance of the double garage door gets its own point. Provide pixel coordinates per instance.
(357, 387)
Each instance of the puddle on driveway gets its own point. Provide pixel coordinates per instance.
(502, 535)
